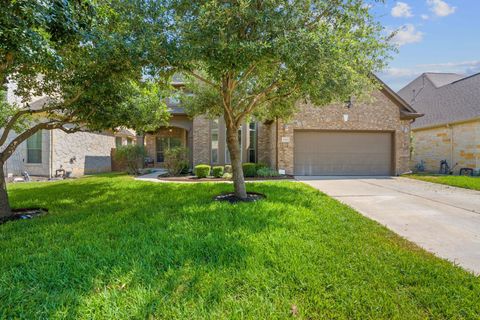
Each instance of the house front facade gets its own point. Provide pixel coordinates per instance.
(366, 138)
(450, 129)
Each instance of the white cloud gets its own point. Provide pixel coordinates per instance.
(402, 10)
(425, 16)
(407, 34)
(399, 77)
(441, 8)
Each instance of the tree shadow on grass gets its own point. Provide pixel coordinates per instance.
(106, 235)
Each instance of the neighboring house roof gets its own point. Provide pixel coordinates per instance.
(443, 98)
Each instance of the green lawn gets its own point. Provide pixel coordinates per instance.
(454, 181)
(114, 248)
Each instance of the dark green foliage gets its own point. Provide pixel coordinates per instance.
(115, 248)
(132, 156)
(176, 160)
(267, 172)
(261, 165)
(217, 171)
(249, 169)
(202, 170)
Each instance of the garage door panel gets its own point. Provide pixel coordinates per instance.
(342, 153)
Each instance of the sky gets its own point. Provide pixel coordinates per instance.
(433, 36)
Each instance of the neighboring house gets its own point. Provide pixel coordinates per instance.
(450, 129)
(369, 138)
(78, 153)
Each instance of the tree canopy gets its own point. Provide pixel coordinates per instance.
(82, 64)
(258, 58)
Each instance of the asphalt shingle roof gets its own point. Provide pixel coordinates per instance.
(443, 98)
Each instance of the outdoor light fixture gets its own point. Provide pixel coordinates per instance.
(345, 117)
(349, 103)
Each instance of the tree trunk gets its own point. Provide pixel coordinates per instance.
(236, 159)
(5, 209)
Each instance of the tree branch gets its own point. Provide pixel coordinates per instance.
(202, 79)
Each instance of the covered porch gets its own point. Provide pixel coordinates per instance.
(177, 134)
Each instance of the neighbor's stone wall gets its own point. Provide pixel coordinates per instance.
(379, 114)
(457, 143)
(82, 152)
(201, 140)
(15, 164)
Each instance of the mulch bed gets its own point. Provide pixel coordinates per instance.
(190, 178)
(230, 197)
(24, 213)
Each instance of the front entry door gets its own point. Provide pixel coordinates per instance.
(165, 143)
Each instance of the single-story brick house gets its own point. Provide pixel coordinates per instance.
(366, 138)
(450, 129)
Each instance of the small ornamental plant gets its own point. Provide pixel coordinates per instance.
(202, 171)
(217, 171)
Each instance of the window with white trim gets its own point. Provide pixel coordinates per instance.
(214, 130)
(34, 148)
(252, 146)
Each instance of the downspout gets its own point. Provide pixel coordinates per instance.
(51, 154)
(452, 165)
(276, 143)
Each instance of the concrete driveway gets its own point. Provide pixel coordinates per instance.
(441, 219)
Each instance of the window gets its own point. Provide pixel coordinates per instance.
(252, 147)
(34, 148)
(164, 143)
(129, 141)
(118, 142)
(227, 153)
(214, 141)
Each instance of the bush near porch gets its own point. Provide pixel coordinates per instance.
(113, 247)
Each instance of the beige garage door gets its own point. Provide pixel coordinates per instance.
(342, 153)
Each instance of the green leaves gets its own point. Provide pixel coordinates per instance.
(265, 55)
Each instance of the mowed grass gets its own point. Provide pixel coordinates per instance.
(115, 248)
(454, 181)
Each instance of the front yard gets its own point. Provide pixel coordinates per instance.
(115, 248)
(454, 181)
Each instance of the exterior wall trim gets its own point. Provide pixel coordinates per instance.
(446, 124)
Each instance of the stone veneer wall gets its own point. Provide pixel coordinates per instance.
(457, 143)
(380, 114)
(17, 163)
(82, 152)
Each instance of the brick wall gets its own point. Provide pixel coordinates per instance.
(378, 114)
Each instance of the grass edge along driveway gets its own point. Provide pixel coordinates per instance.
(466, 182)
(116, 248)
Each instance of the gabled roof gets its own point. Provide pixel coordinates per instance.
(406, 110)
(443, 103)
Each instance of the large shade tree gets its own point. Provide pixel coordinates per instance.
(84, 62)
(257, 58)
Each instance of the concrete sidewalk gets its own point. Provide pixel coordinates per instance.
(441, 219)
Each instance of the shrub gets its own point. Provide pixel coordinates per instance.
(249, 169)
(228, 168)
(227, 176)
(176, 160)
(132, 156)
(217, 171)
(261, 165)
(267, 172)
(202, 170)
